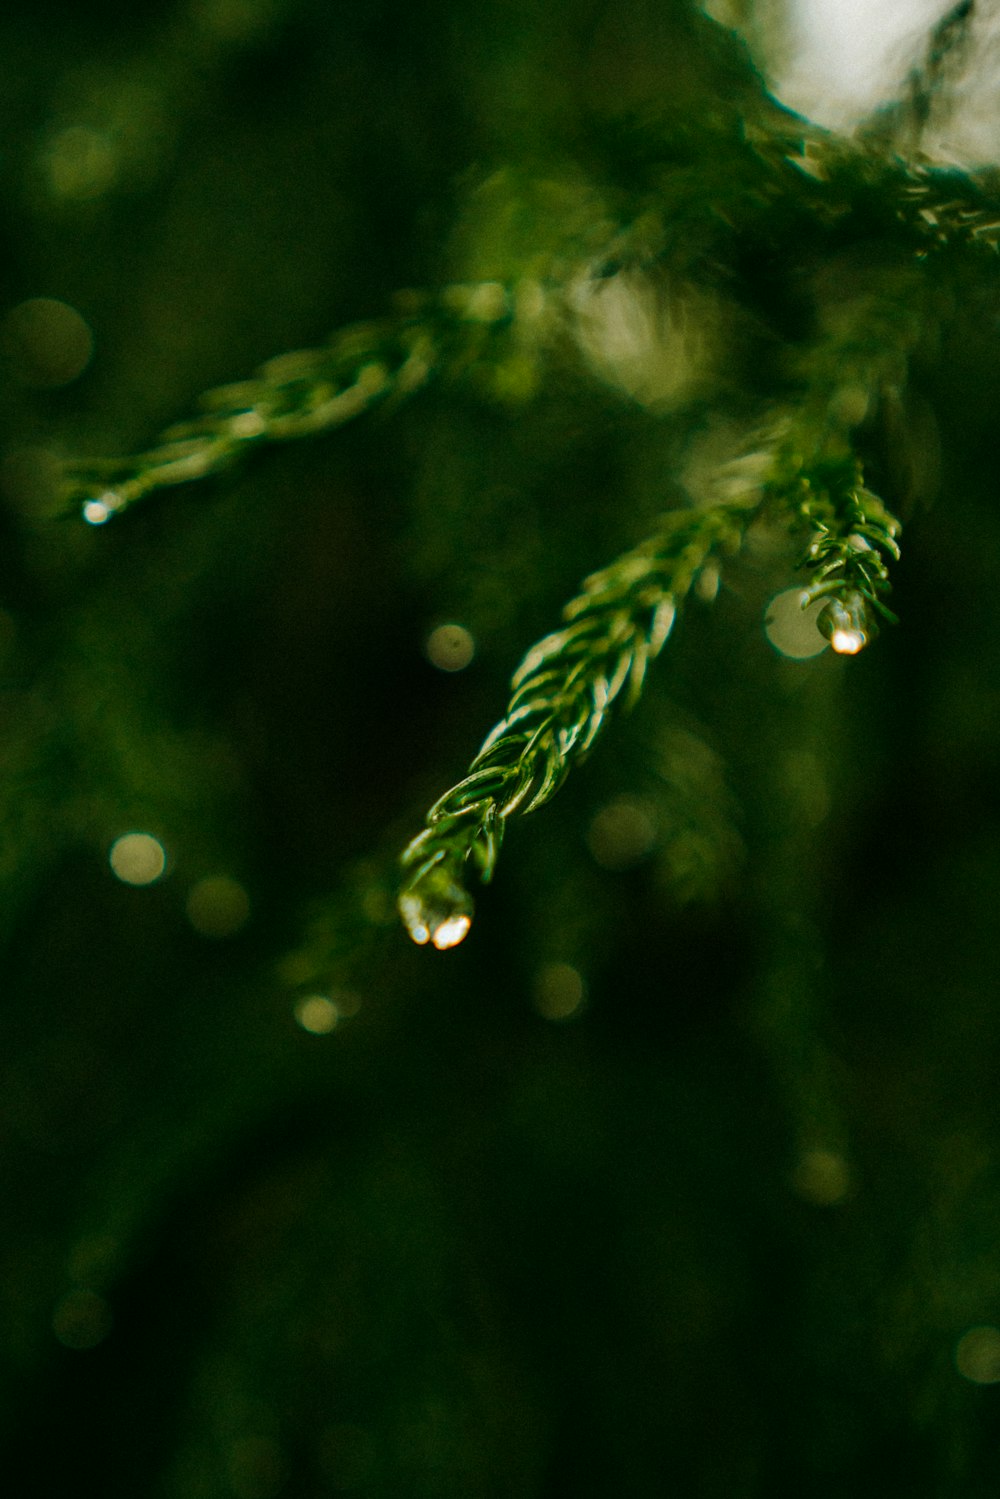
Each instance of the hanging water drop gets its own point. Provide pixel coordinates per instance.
(436, 909)
(96, 512)
(847, 624)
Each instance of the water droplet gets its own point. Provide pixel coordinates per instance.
(97, 511)
(451, 932)
(848, 642)
(847, 624)
(436, 909)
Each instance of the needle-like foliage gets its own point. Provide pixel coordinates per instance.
(776, 186)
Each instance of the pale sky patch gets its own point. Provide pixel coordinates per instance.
(849, 56)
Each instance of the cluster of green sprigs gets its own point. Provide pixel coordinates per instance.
(310, 391)
(305, 392)
(853, 541)
(564, 690)
(835, 177)
(948, 208)
(567, 686)
(562, 696)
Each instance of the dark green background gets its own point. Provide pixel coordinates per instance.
(454, 1249)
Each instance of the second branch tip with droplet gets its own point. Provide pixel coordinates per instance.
(847, 624)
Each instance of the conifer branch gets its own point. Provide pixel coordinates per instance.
(562, 695)
(936, 207)
(300, 394)
(306, 392)
(854, 539)
(941, 207)
(946, 207)
(564, 690)
(294, 395)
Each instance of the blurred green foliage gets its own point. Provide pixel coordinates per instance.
(731, 1226)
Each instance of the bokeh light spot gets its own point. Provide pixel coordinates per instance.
(80, 163)
(46, 343)
(977, 1355)
(822, 1177)
(137, 858)
(317, 1014)
(621, 834)
(558, 991)
(81, 1319)
(218, 906)
(450, 648)
(792, 630)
